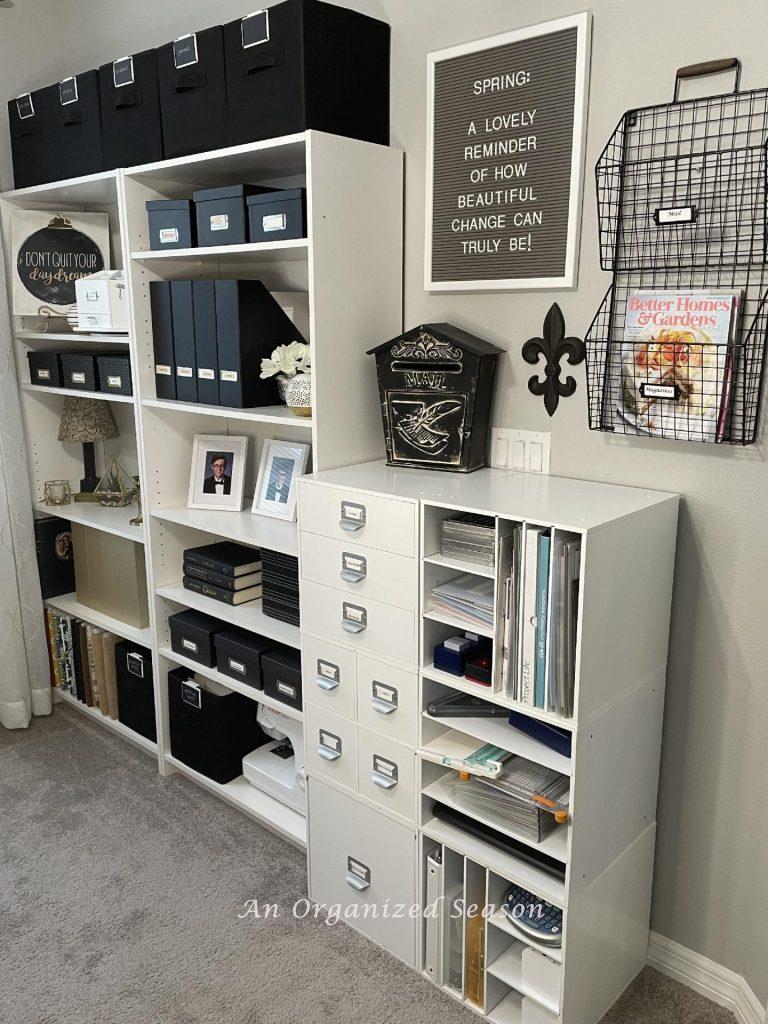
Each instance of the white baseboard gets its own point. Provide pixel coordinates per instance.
(721, 985)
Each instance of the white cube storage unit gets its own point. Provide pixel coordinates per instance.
(370, 677)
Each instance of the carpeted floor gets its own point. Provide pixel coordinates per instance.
(120, 896)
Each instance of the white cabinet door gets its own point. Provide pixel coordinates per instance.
(366, 863)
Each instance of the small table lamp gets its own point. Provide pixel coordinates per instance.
(85, 421)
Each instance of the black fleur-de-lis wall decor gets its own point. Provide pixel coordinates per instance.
(553, 346)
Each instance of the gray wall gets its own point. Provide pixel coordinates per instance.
(712, 829)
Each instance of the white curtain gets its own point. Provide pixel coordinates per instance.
(25, 688)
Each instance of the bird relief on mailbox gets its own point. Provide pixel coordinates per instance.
(436, 390)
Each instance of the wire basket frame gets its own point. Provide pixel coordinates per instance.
(681, 193)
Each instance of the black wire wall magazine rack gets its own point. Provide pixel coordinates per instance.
(677, 348)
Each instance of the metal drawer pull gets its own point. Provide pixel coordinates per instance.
(354, 619)
(326, 684)
(357, 883)
(345, 524)
(328, 753)
(384, 707)
(352, 627)
(351, 577)
(383, 781)
(352, 516)
(384, 699)
(354, 568)
(329, 747)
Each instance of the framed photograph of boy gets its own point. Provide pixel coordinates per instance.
(281, 465)
(217, 479)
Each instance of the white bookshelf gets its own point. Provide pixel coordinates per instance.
(349, 268)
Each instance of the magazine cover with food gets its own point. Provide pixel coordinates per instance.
(676, 363)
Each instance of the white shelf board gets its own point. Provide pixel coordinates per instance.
(455, 622)
(252, 161)
(508, 1011)
(555, 844)
(69, 605)
(99, 395)
(96, 189)
(499, 920)
(500, 733)
(488, 571)
(279, 414)
(248, 616)
(243, 527)
(92, 514)
(249, 252)
(110, 723)
(504, 864)
(33, 337)
(260, 806)
(509, 968)
(233, 684)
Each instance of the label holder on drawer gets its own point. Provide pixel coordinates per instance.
(328, 675)
(354, 568)
(384, 698)
(329, 745)
(358, 875)
(354, 618)
(353, 516)
(385, 772)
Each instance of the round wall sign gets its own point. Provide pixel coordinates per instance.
(51, 259)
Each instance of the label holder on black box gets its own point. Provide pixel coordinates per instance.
(191, 694)
(254, 29)
(25, 107)
(68, 91)
(135, 664)
(122, 72)
(185, 51)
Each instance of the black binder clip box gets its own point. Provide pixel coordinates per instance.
(277, 216)
(239, 655)
(281, 675)
(193, 634)
(171, 224)
(221, 215)
(45, 369)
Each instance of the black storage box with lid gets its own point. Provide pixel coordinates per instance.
(171, 224)
(250, 324)
(193, 93)
(79, 371)
(211, 731)
(436, 392)
(192, 635)
(130, 111)
(75, 147)
(277, 216)
(221, 215)
(31, 117)
(135, 692)
(305, 64)
(239, 654)
(45, 369)
(114, 373)
(281, 675)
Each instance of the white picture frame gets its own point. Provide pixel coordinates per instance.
(281, 465)
(583, 24)
(206, 490)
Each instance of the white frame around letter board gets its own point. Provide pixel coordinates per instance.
(583, 23)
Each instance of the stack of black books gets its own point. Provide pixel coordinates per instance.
(281, 586)
(225, 571)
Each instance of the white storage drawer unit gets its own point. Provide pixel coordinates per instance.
(386, 773)
(359, 622)
(331, 747)
(373, 521)
(360, 571)
(360, 857)
(328, 676)
(387, 700)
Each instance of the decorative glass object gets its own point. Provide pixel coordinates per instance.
(138, 519)
(116, 489)
(57, 492)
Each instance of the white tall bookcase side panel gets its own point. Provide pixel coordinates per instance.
(355, 213)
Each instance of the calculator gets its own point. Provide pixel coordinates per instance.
(533, 917)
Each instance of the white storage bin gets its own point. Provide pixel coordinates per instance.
(328, 676)
(370, 520)
(386, 773)
(387, 700)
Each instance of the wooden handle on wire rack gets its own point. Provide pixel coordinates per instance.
(708, 67)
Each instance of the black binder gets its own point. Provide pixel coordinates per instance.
(304, 64)
(130, 111)
(250, 324)
(204, 301)
(193, 93)
(184, 341)
(162, 337)
(77, 658)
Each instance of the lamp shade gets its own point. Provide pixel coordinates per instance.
(84, 420)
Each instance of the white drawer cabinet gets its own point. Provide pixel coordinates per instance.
(331, 743)
(387, 700)
(361, 858)
(328, 676)
(363, 624)
(369, 520)
(359, 571)
(386, 773)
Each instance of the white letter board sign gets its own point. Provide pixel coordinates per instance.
(506, 120)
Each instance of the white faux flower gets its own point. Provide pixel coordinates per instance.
(287, 359)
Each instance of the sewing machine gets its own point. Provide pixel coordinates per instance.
(277, 767)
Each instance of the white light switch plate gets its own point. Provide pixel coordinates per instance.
(524, 450)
